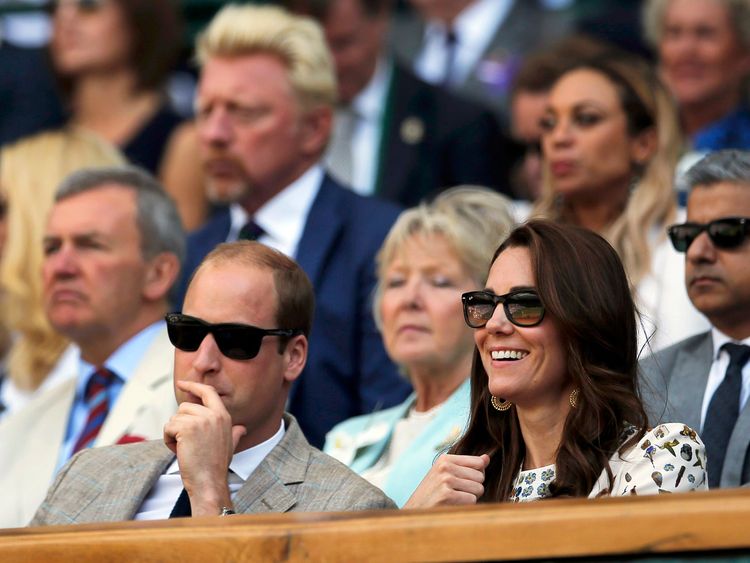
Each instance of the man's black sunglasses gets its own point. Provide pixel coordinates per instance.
(522, 307)
(236, 341)
(728, 232)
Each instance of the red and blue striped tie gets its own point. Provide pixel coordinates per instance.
(96, 399)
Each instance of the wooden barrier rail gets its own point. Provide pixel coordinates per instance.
(624, 527)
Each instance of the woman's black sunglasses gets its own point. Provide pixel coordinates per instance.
(235, 341)
(728, 232)
(522, 307)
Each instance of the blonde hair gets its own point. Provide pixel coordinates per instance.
(473, 220)
(652, 202)
(30, 171)
(652, 20)
(239, 30)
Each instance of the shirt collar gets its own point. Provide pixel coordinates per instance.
(245, 462)
(283, 217)
(124, 361)
(719, 339)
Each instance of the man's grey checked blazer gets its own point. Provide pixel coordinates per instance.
(673, 382)
(109, 484)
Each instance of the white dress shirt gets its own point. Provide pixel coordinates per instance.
(284, 216)
(474, 29)
(368, 106)
(159, 503)
(719, 369)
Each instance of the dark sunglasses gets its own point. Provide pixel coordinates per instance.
(236, 341)
(82, 5)
(728, 232)
(522, 307)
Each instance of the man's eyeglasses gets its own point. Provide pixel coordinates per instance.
(82, 5)
(235, 341)
(728, 232)
(522, 307)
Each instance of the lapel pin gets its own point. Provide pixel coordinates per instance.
(412, 130)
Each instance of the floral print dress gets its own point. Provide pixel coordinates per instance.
(670, 458)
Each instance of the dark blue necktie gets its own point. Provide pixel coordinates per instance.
(250, 231)
(723, 411)
(182, 507)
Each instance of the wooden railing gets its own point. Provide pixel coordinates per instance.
(690, 524)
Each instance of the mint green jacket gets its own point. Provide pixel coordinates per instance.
(360, 441)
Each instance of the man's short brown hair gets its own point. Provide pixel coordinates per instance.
(296, 297)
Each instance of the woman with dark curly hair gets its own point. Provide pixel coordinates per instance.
(555, 406)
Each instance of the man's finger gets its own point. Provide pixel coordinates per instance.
(207, 394)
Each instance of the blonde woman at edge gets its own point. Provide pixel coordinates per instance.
(433, 253)
(30, 171)
(611, 141)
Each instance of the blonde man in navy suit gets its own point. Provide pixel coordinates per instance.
(264, 107)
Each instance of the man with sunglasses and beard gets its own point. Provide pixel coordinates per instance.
(704, 380)
(240, 343)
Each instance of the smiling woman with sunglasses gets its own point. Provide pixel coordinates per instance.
(555, 409)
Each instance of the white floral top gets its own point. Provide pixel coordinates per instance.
(670, 458)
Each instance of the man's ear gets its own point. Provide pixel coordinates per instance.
(161, 274)
(316, 129)
(295, 357)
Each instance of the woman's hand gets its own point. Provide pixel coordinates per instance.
(453, 479)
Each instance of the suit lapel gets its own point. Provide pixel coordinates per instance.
(685, 395)
(266, 490)
(125, 489)
(153, 372)
(737, 449)
(404, 126)
(324, 222)
(31, 465)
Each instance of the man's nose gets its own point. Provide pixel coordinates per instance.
(63, 263)
(214, 127)
(207, 358)
(702, 249)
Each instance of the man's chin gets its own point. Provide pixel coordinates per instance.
(223, 192)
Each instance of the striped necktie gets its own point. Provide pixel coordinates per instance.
(723, 411)
(96, 399)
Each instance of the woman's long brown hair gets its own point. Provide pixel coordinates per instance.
(583, 286)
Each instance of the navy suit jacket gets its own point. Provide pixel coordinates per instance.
(348, 372)
(433, 140)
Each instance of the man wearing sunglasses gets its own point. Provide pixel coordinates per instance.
(705, 379)
(263, 112)
(112, 248)
(240, 343)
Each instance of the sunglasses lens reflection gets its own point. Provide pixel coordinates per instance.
(727, 234)
(525, 310)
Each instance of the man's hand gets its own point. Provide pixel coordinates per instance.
(453, 479)
(204, 439)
